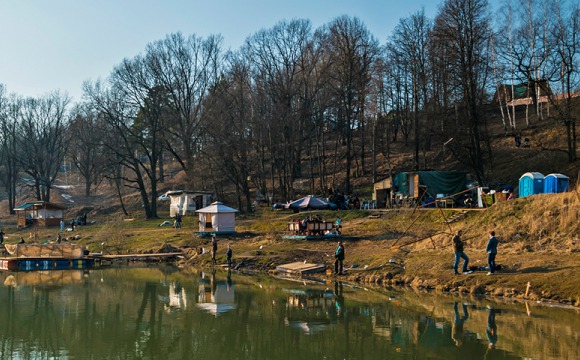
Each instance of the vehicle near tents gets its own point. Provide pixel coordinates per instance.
(531, 183)
(556, 183)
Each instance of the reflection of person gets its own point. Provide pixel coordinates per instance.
(491, 330)
(339, 256)
(58, 239)
(229, 279)
(213, 249)
(491, 250)
(213, 283)
(459, 254)
(457, 329)
(229, 256)
(339, 303)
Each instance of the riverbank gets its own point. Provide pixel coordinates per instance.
(539, 250)
(539, 245)
(551, 277)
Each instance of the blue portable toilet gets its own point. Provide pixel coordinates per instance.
(531, 183)
(556, 183)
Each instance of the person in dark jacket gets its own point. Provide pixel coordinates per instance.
(459, 254)
(229, 256)
(339, 258)
(491, 250)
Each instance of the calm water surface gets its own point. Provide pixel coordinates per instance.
(163, 313)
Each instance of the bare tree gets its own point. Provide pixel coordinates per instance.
(277, 55)
(133, 111)
(353, 50)
(462, 29)
(410, 42)
(87, 150)
(9, 165)
(43, 139)
(567, 58)
(186, 68)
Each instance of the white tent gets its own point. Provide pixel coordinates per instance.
(217, 218)
(186, 202)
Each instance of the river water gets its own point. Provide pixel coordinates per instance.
(165, 313)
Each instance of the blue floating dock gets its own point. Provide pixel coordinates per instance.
(31, 264)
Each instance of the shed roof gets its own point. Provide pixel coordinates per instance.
(179, 192)
(35, 205)
(216, 207)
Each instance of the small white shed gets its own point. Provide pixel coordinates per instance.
(186, 202)
(217, 218)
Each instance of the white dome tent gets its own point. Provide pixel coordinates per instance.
(217, 219)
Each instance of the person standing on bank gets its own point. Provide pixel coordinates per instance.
(229, 256)
(213, 249)
(491, 250)
(339, 256)
(459, 254)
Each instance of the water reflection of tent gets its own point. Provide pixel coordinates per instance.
(176, 299)
(310, 202)
(216, 299)
(217, 218)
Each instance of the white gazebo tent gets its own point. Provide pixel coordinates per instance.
(186, 202)
(217, 218)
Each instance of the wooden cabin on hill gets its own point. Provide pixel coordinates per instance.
(39, 213)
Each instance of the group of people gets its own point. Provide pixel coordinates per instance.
(336, 227)
(458, 248)
(214, 249)
(519, 143)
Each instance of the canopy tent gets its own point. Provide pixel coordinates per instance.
(556, 183)
(531, 183)
(217, 218)
(186, 202)
(310, 202)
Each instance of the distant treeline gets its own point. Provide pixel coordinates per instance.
(297, 102)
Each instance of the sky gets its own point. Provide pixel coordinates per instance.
(49, 45)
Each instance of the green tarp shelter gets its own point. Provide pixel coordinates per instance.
(434, 182)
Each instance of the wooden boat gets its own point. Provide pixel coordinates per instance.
(36, 251)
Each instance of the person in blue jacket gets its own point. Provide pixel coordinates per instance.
(339, 258)
(491, 250)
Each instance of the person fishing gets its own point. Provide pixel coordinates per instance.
(339, 256)
(213, 249)
(459, 254)
(229, 256)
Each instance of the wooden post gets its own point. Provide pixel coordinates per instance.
(527, 289)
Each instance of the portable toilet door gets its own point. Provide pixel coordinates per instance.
(556, 183)
(531, 183)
